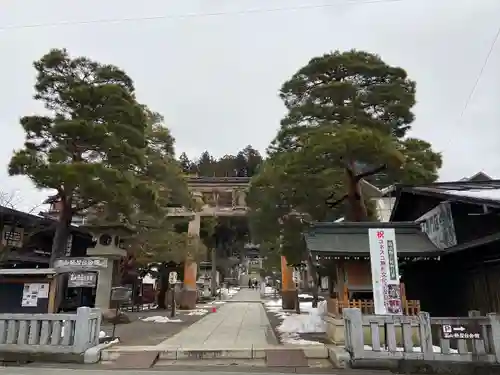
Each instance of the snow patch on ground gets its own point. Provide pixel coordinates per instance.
(275, 308)
(227, 293)
(310, 296)
(273, 303)
(292, 324)
(311, 322)
(199, 312)
(416, 349)
(160, 319)
(269, 290)
(294, 338)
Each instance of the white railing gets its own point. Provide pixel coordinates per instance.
(50, 333)
(421, 337)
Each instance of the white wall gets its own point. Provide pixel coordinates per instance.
(384, 207)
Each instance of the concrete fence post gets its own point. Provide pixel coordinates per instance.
(478, 346)
(495, 335)
(82, 330)
(97, 328)
(353, 332)
(426, 335)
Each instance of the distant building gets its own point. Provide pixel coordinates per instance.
(55, 208)
(479, 176)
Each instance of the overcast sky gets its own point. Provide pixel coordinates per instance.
(213, 67)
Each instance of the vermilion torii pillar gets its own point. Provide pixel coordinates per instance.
(190, 293)
(288, 287)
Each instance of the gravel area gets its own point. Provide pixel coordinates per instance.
(138, 332)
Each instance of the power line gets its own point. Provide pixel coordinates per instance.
(481, 72)
(197, 15)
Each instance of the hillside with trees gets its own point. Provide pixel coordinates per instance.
(243, 164)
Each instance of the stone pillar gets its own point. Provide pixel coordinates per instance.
(242, 199)
(194, 225)
(288, 289)
(189, 294)
(104, 284)
(239, 198)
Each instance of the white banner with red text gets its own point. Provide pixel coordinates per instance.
(385, 271)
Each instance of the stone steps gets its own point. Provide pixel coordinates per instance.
(233, 364)
(314, 355)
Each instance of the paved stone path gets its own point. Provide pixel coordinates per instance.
(247, 295)
(234, 325)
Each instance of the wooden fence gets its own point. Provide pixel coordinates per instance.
(336, 307)
(420, 337)
(50, 333)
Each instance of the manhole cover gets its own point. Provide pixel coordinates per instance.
(286, 358)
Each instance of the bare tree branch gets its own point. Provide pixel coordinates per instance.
(12, 200)
(336, 202)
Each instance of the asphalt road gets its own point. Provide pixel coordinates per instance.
(201, 370)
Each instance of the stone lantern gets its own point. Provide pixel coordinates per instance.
(108, 246)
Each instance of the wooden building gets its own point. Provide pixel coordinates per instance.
(463, 220)
(24, 259)
(342, 250)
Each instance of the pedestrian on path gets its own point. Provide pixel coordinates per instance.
(250, 283)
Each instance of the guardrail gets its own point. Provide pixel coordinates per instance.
(457, 339)
(50, 333)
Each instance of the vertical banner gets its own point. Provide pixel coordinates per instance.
(385, 271)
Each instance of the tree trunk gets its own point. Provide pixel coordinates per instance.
(314, 276)
(59, 247)
(61, 234)
(357, 209)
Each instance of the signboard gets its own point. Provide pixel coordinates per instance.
(32, 292)
(82, 279)
(80, 264)
(458, 331)
(439, 226)
(296, 276)
(172, 277)
(12, 236)
(385, 271)
(121, 294)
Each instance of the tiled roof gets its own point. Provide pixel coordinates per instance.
(349, 238)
